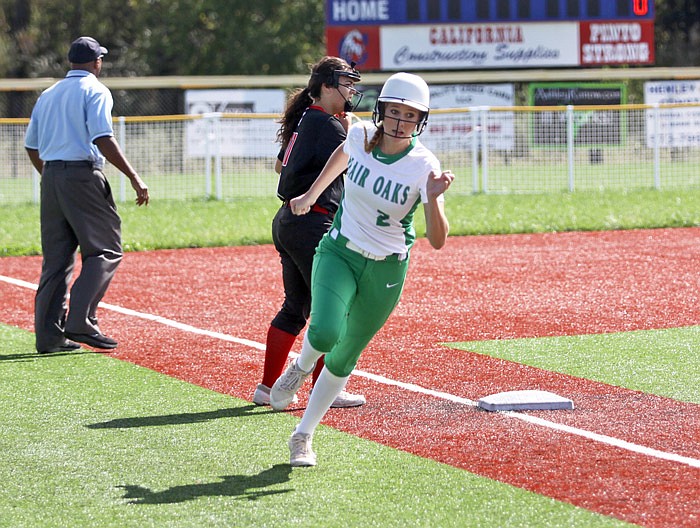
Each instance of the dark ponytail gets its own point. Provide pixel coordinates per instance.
(300, 99)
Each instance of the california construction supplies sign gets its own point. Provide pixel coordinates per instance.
(214, 136)
(677, 127)
(478, 46)
(431, 35)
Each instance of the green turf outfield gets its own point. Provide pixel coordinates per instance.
(170, 224)
(661, 362)
(89, 440)
(547, 171)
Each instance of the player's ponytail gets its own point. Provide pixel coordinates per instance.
(376, 138)
(300, 99)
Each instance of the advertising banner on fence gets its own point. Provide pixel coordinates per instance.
(456, 129)
(678, 127)
(592, 126)
(236, 137)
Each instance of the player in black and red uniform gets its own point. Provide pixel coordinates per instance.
(314, 123)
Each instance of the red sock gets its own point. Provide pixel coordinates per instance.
(317, 370)
(277, 348)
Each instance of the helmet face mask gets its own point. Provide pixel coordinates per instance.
(391, 122)
(406, 89)
(354, 76)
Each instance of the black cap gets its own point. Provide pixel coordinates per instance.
(85, 49)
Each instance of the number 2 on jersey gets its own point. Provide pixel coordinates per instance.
(382, 219)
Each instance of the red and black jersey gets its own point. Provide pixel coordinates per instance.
(317, 135)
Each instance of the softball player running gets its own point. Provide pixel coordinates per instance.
(361, 263)
(315, 122)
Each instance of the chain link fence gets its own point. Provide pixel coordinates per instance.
(492, 150)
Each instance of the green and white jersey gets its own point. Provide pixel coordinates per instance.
(382, 193)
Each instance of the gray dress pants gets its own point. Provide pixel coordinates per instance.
(77, 210)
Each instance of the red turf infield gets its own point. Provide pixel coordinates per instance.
(496, 287)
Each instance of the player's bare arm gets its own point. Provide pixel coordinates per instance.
(335, 165)
(436, 223)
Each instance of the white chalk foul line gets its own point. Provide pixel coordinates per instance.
(604, 439)
(182, 326)
(150, 317)
(17, 282)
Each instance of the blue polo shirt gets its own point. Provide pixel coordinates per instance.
(68, 117)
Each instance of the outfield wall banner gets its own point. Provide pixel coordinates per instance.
(443, 129)
(451, 95)
(470, 95)
(235, 136)
(501, 125)
(591, 126)
(678, 127)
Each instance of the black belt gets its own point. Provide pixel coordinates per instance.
(315, 208)
(64, 164)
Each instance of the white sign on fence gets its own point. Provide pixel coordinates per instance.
(677, 127)
(232, 137)
(443, 129)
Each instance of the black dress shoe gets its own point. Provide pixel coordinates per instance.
(95, 340)
(66, 346)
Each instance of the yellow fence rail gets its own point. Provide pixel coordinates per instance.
(491, 149)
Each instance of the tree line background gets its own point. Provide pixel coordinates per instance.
(218, 37)
(163, 37)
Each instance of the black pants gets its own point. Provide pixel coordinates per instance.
(77, 210)
(296, 239)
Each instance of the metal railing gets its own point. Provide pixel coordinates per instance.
(503, 150)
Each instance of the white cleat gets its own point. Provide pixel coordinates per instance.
(261, 396)
(345, 400)
(285, 388)
(300, 452)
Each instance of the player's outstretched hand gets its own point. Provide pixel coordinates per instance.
(439, 183)
(301, 204)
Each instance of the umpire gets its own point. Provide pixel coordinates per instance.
(68, 139)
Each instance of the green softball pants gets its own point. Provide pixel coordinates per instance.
(352, 297)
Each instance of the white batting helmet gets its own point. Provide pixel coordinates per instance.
(408, 89)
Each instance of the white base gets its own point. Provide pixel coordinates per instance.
(525, 400)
